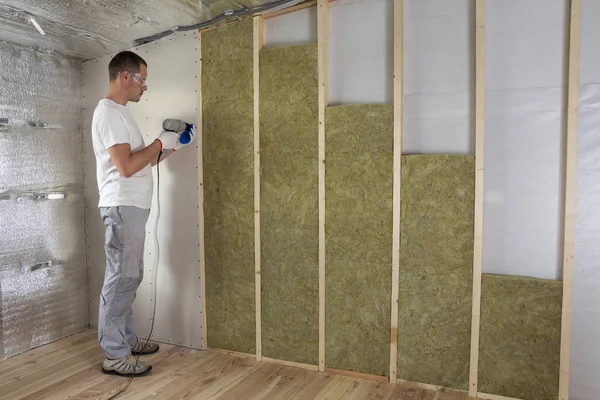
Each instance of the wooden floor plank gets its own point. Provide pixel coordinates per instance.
(70, 369)
(281, 382)
(33, 360)
(165, 373)
(253, 386)
(206, 364)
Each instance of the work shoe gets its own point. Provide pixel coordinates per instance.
(126, 366)
(143, 348)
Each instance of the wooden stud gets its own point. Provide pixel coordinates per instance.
(357, 375)
(297, 7)
(234, 353)
(430, 387)
(488, 396)
(398, 104)
(323, 49)
(288, 10)
(258, 45)
(201, 193)
(569, 205)
(479, 174)
(309, 367)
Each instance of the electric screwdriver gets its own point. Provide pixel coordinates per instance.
(180, 127)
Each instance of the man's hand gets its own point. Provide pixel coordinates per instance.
(168, 140)
(193, 134)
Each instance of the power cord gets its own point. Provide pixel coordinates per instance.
(155, 275)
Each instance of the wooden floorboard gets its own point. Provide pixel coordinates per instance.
(69, 369)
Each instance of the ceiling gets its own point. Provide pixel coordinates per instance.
(88, 29)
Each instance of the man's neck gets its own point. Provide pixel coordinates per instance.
(117, 97)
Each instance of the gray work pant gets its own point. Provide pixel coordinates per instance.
(124, 246)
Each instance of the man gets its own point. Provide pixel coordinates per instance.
(125, 185)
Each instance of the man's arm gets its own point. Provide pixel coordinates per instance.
(128, 163)
(162, 158)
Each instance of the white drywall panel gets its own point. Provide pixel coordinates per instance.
(172, 93)
(95, 86)
(524, 131)
(585, 350)
(299, 27)
(438, 77)
(361, 48)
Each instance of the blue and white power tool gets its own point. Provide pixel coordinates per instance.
(182, 128)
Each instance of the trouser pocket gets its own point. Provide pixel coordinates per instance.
(124, 241)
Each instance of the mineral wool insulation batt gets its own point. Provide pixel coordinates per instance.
(228, 136)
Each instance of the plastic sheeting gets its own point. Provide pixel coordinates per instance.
(361, 49)
(43, 275)
(585, 356)
(585, 351)
(525, 100)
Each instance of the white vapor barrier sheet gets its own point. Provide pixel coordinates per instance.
(524, 133)
(297, 28)
(43, 276)
(585, 351)
(361, 45)
(172, 93)
(438, 77)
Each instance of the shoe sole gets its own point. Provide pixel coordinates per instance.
(140, 353)
(117, 373)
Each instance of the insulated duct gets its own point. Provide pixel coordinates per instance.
(89, 29)
(229, 14)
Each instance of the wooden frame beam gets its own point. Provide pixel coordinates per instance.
(398, 108)
(570, 191)
(201, 193)
(479, 193)
(297, 7)
(488, 396)
(323, 51)
(258, 40)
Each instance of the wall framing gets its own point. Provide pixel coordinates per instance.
(479, 193)
(258, 41)
(323, 45)
(398, 108)
(570, 191)
(570, 180)
(201, 193)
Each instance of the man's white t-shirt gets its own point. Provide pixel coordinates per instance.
(113, 124)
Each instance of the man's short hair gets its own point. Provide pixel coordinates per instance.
(124, 61)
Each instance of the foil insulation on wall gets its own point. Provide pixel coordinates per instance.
(39, 89)
(43, 275)
(88, 29)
